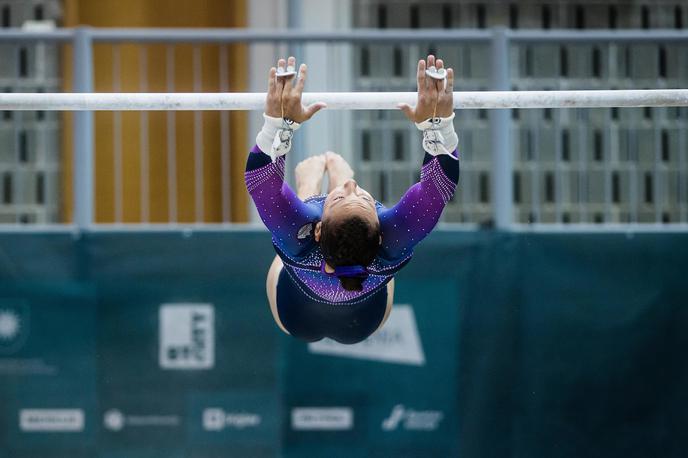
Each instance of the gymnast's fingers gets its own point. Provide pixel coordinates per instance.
(279, 80)
(421, 75)
(303, 71)
(439, 84)
(272, 85)
(407, 110)
(313, 108)
(289, 80)
(431, 82)
(449, 87)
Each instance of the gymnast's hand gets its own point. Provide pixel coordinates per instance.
(284, 97)
(431, 92)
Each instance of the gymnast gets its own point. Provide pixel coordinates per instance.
(337, 254)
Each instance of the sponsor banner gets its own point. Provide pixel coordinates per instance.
(187, 336)
(247, 418)
(157, 450)
(15, 326)
(46, 331)
(408, 419)
(115, 420)
(322, 418)
(217, 419)
(417, 423)
(143, 418)
(51, 420)
(397, 342)
(15, 323)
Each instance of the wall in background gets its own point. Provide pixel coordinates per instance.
(119, 69)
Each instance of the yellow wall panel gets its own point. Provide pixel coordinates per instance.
(133, 60)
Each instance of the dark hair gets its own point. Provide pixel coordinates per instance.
(352, 241)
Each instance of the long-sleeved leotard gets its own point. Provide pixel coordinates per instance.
(291, 222)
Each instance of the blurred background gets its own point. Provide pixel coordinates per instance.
(133, 321)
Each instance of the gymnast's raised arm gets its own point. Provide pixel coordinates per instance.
(281, 210)
(419, 210)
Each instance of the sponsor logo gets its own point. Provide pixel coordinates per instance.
(412, 420)
(51, 420)
(322, 418)
(187, 336)
(9, 325)
(397, 342)
(14, 325)
(216, 419)
(115, 420)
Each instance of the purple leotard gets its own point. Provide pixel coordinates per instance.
(291, 222)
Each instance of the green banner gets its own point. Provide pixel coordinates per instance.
(162, 344)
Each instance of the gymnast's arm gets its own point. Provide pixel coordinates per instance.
(280, 209)
(419, 210)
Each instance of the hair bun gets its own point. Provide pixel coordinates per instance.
(351, 283)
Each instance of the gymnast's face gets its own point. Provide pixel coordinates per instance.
(350, 199)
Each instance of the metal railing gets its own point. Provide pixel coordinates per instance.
(498, 40)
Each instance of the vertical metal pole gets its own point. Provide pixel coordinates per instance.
(657, 167)
(199, 183)
(583, 170)
(294, 22)
(633, 156)
(535, 171)
(682, 175)
(611, 141)
(610, 160)
(502, 160)
(225, 164)
(172, 204)
(386, 121)
(682, 200)
(143, 139)
(117, 167)
(83, 131)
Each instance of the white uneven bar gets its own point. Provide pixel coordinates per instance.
(339, 100)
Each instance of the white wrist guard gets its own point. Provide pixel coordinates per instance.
(274, 139)
(439, 136)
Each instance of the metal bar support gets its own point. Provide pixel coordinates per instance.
(83, 131)
(502, 160)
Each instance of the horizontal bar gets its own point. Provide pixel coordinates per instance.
(165, 35)
(340, 100)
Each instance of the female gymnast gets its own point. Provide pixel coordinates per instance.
(337, 254)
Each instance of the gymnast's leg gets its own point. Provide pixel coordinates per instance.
(309, 176)
(338, 170)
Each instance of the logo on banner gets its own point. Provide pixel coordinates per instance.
(187, 336)
(51, 420)
(397, 342)
(322, 418)
(14, 325)
(216, 419)
(412, 420)
(115, 420)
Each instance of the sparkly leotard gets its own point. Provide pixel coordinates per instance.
(292, 221)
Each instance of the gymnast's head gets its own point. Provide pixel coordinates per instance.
(349, 233)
